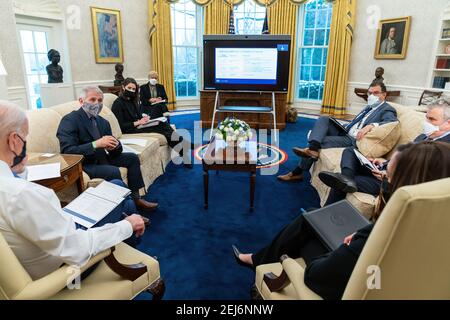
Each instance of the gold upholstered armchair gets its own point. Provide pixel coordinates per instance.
(409, 246)
(111, 280)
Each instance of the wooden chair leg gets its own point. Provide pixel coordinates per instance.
(157, 289)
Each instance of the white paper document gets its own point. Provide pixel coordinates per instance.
(162, 101)
(110, 191)
(364, 161)
(137, 142)
(153, 122)
(44, 171)
(126, 148)
(95, 203)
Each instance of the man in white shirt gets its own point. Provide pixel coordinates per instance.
(31, 220)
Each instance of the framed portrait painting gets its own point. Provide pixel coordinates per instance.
(107, 29)
(392, 38)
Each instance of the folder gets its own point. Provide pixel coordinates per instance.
(335, 222)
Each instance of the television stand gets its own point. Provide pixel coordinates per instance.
(261, 110)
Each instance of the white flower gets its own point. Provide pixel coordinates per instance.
(221, 127)
(250, 134)
(229, 138)
(236, 132)
(219, 136)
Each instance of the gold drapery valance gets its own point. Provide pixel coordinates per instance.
(266, 3)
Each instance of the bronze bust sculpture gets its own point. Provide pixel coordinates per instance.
(378, 76)
(54, 70)
(119, 79)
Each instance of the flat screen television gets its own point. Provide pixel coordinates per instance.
(246, 62)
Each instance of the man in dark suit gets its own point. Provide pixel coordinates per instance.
(328, 133)
(153, 97)
(85, 132)
(356, 177)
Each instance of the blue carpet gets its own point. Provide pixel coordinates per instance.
(193, 245)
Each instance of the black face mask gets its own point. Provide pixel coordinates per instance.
(129, 94)
(19, 158)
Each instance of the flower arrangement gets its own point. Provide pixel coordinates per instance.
(233, 130)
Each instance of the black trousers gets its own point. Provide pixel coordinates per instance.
(352, 168)
(111, 171)
(297, 240)
(325, 134)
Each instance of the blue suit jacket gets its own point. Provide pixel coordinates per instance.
(383, 114)
(75, 134)
(423, 137)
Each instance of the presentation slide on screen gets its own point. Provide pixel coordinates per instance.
(246, 65)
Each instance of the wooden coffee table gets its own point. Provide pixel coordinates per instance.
(71, 170)
(218, 157)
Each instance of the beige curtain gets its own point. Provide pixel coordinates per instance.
(338, 61)
(217, 17)
(283, 20)
(161, 43)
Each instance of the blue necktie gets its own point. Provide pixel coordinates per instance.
(97, 134)
(359, 117)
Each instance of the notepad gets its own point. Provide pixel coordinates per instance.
(129, 149)
(44, 171)
(153, 122)
(137, 142)
(365, 162)
(95, 203)
(162, 101)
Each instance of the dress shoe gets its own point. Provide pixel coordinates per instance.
(236, 254)
(290, 177)
(145, 205)
(306, 153)
(338, 181)
(146, 221)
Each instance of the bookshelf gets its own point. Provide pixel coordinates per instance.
(441, 66)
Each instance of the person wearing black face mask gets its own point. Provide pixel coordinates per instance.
(127, 110)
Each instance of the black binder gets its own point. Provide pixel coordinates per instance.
(339, 125)
(335, 222)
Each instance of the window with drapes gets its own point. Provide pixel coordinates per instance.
(314, 33)
(186, 39)
(249, 18)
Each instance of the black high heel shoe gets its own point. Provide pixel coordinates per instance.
(236, 254)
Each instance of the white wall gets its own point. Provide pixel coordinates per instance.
(80, 45)
(411, 75)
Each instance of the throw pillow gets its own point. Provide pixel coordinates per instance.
(380, 140)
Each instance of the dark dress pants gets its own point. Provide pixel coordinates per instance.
(297, 240)
(111, 171)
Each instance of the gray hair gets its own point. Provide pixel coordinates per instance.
(12, 118)
(152, 74)
(85, 91)
(442, 103)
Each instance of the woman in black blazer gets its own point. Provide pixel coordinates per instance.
(327, 273)
(153, 97)
(129, 115)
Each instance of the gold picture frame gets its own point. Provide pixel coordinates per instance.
(392, 38)
(107, 33)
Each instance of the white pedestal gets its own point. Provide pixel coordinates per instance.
(56, 93)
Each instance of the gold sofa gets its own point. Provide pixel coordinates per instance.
(122, 273)
(408, 246)
(42, 139)
(411, 124)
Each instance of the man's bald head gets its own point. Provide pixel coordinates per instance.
(12, 119)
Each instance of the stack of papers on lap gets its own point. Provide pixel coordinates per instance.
(137, 142)
(128, 149)
(162, 101)
(364, 161)
(153, 122)
(95, 203)
(44, 171)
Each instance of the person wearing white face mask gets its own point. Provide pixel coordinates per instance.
(153, 97)
(85, 132)
(328, 133)
(355, 177)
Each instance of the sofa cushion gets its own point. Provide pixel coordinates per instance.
(380, 140)
(111, 118)
(43, 124)
(66, 108)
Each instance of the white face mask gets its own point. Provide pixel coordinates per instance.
(153, 82)
(372, 100)
(429, 129)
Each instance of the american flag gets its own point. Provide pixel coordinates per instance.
(265, 29)
(231, 25)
